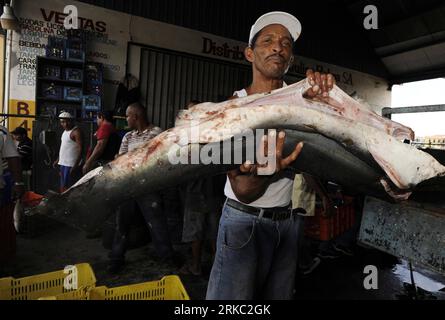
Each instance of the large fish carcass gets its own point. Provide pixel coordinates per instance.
(344, 142)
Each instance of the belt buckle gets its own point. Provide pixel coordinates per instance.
(278, 216)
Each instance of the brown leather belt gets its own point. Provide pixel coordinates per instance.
(275, 214)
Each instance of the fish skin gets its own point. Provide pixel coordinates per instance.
(364, 138)
(365, 151)
(339, 103)
(102, 190)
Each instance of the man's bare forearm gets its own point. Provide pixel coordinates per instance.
(77, 137)
(248, 188)
(97, 152)
(79, 156)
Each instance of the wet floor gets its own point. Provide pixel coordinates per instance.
(340, 278)
(60, 245)
(344, 278)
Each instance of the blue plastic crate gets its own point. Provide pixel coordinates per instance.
(51, 90)
(50, 72)
(55, 48)
(73, 74)
(72, 93)
(75, 55)
(91, 103)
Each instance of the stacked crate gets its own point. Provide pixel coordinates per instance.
(324, 228)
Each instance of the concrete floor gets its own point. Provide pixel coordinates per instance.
(342, 278)
(62, 245)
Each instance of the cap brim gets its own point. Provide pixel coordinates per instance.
(287, 20)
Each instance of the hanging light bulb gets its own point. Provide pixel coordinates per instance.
(8, 19)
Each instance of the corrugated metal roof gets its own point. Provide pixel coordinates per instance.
(407, 45)
(329, 34)
(410, 39)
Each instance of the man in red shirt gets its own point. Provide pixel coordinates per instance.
(108, 142)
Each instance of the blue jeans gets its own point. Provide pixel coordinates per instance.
(66, 178)
(152, 210)
(256, 258)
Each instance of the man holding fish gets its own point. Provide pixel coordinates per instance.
(257, 244)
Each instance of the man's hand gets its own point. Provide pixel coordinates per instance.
(86, 167)
(247, 185)
(280, 163)
(56, 164)
(321, 84)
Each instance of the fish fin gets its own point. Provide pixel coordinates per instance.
(387, 167)
(403, 134)
(396, 194)
(90, 175)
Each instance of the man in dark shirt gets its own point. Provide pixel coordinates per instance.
(24, 147)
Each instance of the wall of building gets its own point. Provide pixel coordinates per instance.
(330, 33)
(367, 87)
(110, 32)
(108, 35)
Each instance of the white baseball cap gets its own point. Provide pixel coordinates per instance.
(65, 115)
(276, 17)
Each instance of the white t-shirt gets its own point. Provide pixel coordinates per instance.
(68, 152)
(7, 149)
(277, 194)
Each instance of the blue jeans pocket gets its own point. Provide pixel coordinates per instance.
(238, 233)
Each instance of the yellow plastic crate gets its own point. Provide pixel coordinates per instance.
(46, 284)
(168, 288)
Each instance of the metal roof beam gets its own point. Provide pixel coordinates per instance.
(413, 15)
(411, 45)
(413, 109)
(418, 75)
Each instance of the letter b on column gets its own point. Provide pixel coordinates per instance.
(22, 108)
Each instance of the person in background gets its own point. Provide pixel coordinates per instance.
(108, 142)
(11, 187)
(24, 148)
(202, 202)
(151, 205)
(202, 207)
(70, 154)
(9, 153)
(306, 189)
